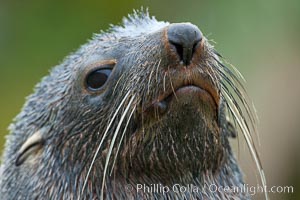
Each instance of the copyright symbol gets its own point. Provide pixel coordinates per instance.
(129, 187)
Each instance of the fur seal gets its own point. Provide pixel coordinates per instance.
(147, 103)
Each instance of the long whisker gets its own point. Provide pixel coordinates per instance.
(121, 139)
(103, 137)
(171, 83)
(241, 94)
(116, 85)
(149, 80)
(250, 145)
(113, 142)
(232, 80)
(164, 81)
(157, 67)
(235, 103)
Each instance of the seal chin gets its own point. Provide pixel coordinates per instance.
(187, 129)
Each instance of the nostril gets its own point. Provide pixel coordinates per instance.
(179, 49)
(195, 46)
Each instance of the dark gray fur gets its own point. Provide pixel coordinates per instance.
(72, 123)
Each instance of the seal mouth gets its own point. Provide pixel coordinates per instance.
(192, 90)
(203, 88)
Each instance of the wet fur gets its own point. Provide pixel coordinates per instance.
(89, 141)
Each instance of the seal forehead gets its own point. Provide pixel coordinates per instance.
(114, 42)
(137, 24)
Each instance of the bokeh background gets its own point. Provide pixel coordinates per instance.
(261, 38)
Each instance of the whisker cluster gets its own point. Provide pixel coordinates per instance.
(239, 111)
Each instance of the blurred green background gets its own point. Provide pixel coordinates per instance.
(261, 38)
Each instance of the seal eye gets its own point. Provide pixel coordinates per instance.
(96, 79)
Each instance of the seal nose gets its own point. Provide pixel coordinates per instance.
(184, 37)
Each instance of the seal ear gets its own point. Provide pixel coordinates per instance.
(30, 147)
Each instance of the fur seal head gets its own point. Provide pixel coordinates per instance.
(148, 102)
